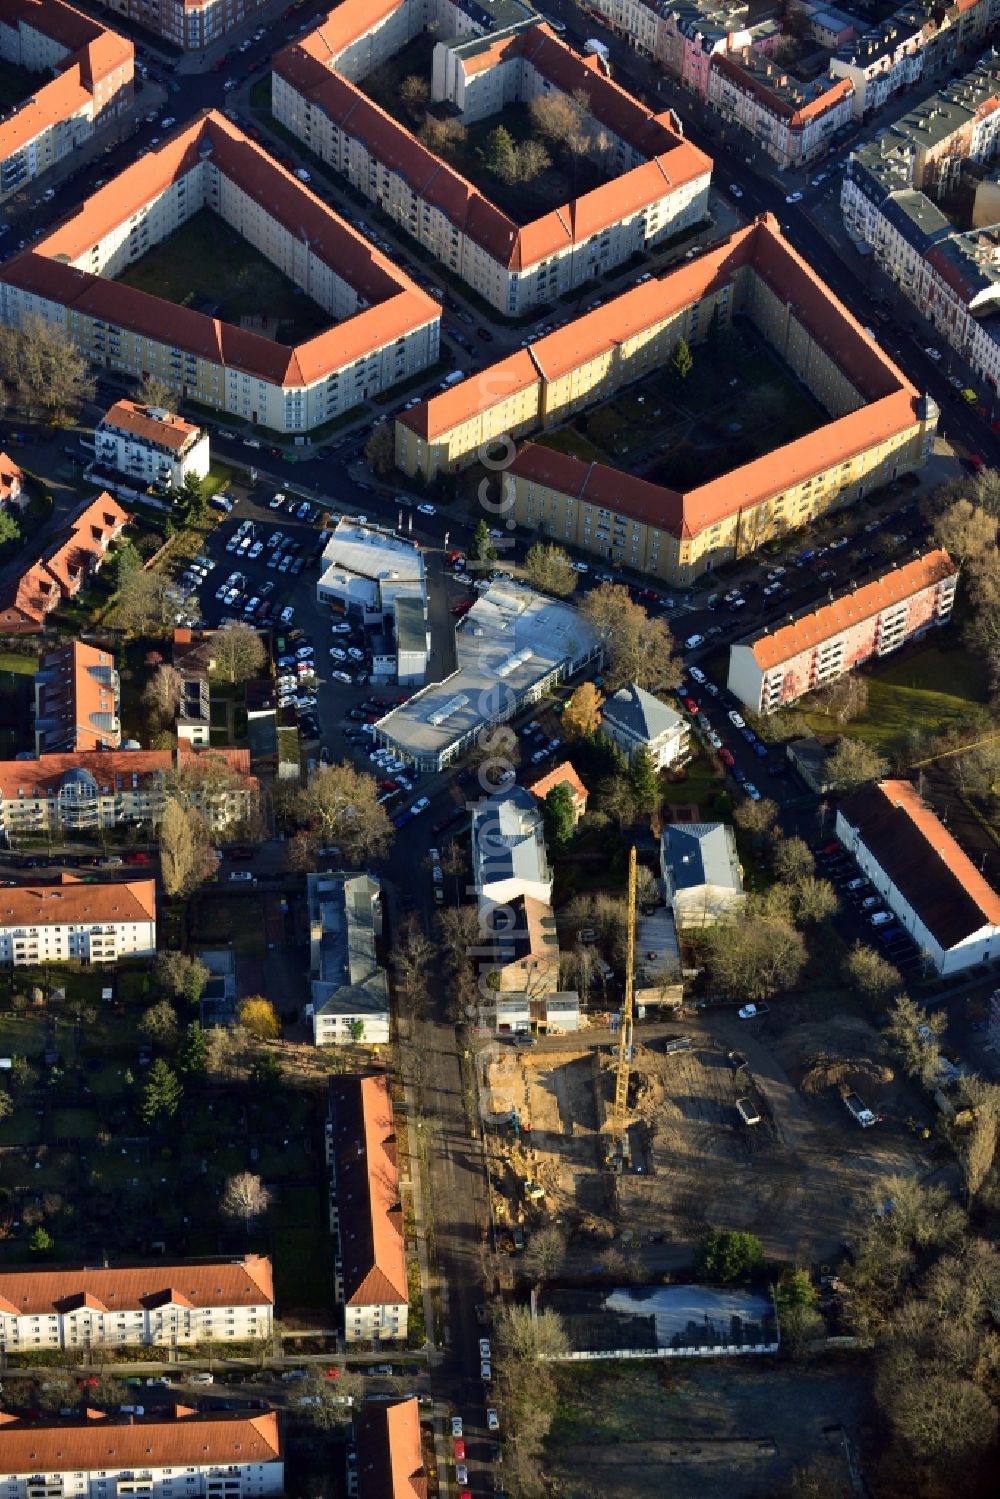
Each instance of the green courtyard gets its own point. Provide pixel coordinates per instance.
(569, 174)
(80, 1163)
(738, 402)
(927, 688)
(208, 266)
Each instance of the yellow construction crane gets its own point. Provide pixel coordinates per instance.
(619, 1151)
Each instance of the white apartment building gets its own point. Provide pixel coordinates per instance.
(187, 1456)
(89, 791)
(383, 328)
(69, 921)
(348, 990)
(508, 850)
(779, 666)
(634, 719)
(85, 75)
(163, 1305)
(926, 880)
(366, 1215)
(150, 445)
(659, 181)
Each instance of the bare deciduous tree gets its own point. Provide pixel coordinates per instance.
(245, 1197)
(161, 696)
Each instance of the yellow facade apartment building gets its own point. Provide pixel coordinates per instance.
(879, 424)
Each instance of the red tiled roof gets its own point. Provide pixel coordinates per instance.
(889, 400)
(101, 1443)
(112, 768)
(463, 402)
(852, 608)
(390, 1455)
(367, 1175)
(169, 430)
(68, 900)
(215, 1283)
(11, 478)
(560, 775)
(50, 269)
(92, 53)
(308, 65)
(73, 697)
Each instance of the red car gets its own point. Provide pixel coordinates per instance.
(388, 786)
(454, 557)
(461, 608)
(976, 463)
(727, 757)
(332, 1374)
(691, 705)
(459, 1450)
(138, 858)
(651, 595)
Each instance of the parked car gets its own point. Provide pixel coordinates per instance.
(751, 1012)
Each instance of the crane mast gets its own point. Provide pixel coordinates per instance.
(619, 1143)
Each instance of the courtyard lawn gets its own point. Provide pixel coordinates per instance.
(207, 264)
(925, 689)
(229, 919)
(522, 201)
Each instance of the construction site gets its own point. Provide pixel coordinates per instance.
(747, 1116)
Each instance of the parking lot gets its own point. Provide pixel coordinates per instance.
(260, 566)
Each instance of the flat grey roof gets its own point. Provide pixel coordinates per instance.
(411, 627)
(511, 639)
(370, 557)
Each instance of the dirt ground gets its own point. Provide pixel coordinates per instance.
(721, 1430)
(793, 1179)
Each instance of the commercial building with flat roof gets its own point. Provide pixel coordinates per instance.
(91, 89)
(366, 570)
(775, 667)
(879, 424)
(383, 328)
(923, 875)
(659, 184)
(512, 646)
